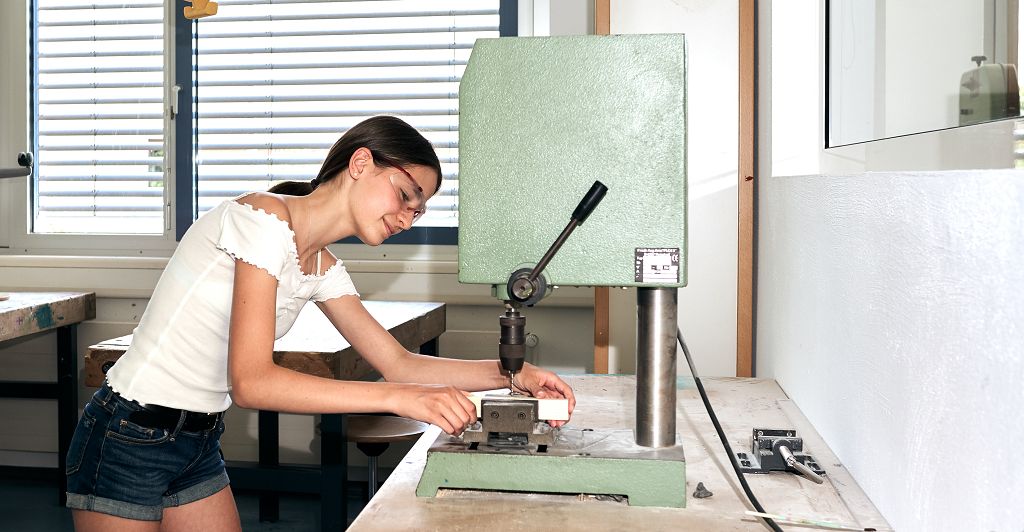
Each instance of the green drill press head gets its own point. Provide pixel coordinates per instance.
(541, 119)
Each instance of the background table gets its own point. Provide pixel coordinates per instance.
(28, 313)
(312, 346)
(607, 402)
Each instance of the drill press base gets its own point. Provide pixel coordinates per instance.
(599, 462)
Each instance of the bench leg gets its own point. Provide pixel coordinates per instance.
(333, 473)
(67, 401)
(269, 434)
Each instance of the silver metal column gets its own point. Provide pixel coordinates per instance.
(656, 367)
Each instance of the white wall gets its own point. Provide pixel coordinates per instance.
(888, 301)
(890, 311)
(707, 305)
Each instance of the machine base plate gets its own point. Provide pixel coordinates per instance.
(581, 461)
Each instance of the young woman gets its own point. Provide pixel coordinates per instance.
(146, 453)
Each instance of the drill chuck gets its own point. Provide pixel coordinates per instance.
(512, 344)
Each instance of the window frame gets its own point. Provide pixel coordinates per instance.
(180, 188)
(23, 240)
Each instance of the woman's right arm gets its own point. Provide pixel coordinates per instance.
(258, 383)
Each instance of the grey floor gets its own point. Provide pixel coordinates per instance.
(30, 505)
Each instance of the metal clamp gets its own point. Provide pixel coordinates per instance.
(779, 450)
(509, 423)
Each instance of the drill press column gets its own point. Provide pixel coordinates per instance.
(656, 367)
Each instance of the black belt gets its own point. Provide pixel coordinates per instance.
(161, 417)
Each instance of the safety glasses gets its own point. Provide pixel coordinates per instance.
(409, 193)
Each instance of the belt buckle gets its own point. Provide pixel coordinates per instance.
(200, 422)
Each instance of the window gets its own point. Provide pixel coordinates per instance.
(274, 83)
(99, 128)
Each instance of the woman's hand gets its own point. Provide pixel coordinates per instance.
(444, 406)
(544, 384)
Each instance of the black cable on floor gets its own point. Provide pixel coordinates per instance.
(721, 434)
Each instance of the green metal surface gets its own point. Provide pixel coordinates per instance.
(610, 465)
(542, 118)
(644, 482)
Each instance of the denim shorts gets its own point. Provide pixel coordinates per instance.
(121, 468)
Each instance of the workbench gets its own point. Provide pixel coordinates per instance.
(608, 402)
(311, 346)
(27, 313)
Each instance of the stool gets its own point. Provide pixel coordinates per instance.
(373, 433)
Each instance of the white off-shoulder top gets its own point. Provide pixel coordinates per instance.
(178, 357)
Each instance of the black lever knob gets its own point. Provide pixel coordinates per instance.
(587, 204)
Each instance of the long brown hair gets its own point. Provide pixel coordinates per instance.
(391, 141)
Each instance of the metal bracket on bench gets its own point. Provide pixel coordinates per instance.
(779, 450)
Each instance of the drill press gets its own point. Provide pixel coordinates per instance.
(542, 119)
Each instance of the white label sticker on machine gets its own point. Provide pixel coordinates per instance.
(657, 265)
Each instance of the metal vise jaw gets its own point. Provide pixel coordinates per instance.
(778, 450)
(509, 423)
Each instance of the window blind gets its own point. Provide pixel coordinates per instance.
(278, 81)
(98, 69)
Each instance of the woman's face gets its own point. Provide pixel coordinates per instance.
(397, 198)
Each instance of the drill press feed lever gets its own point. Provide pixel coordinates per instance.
(527, 287)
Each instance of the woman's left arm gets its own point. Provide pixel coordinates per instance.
(396, 364)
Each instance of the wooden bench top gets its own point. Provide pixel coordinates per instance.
(607, 402)
(313, 345)
(25, 313)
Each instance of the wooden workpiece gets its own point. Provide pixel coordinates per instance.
(313, 345)
(608, 402)
(547, 409)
